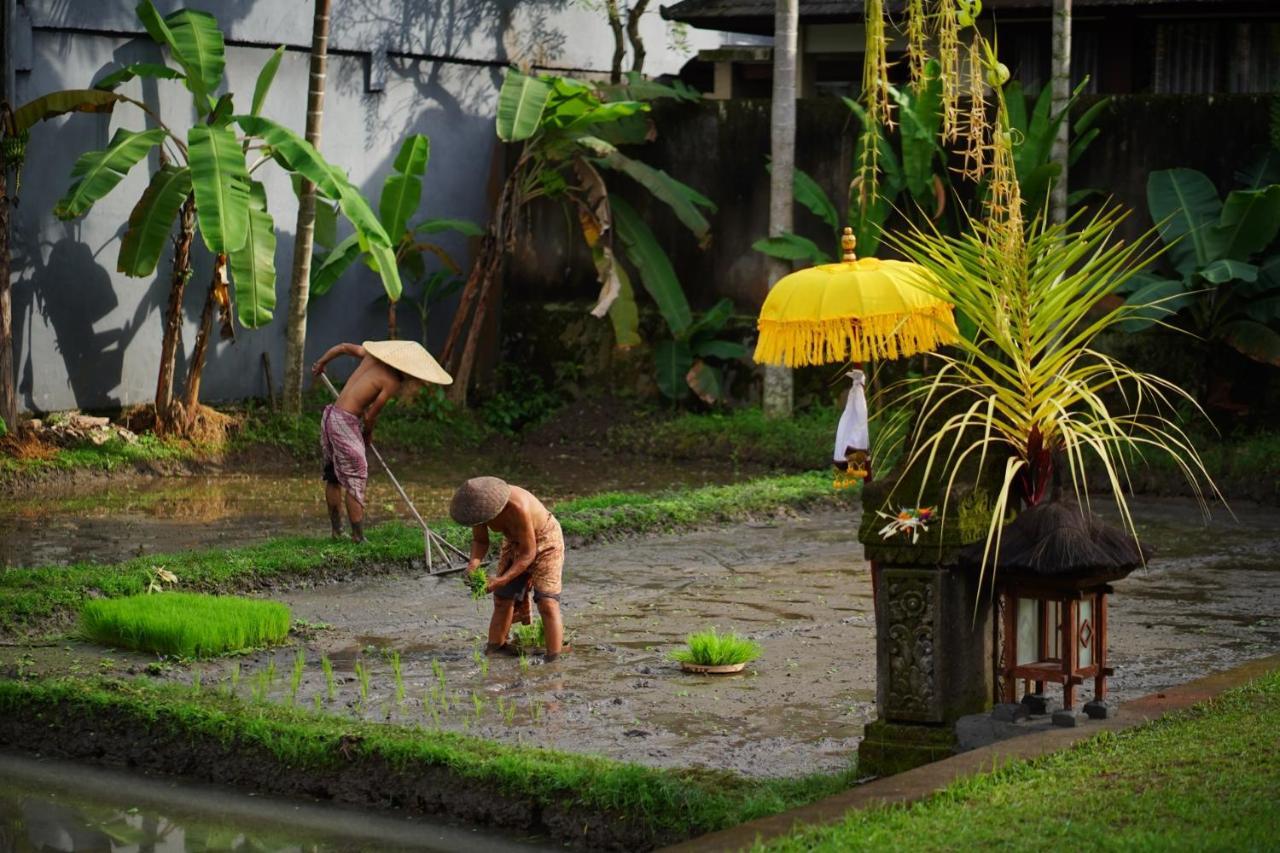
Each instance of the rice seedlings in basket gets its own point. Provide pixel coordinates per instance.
(330, 689)
(399, 676)
(711, 648)
(295, 678)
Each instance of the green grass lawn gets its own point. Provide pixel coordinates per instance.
(183, 624)
(1205, 779)
(29, 596)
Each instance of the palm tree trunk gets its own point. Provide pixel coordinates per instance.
(304, 234)
(778, 390)
(165, 416)
(1060, 79)
(8, 393)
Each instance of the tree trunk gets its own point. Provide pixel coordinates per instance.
(619, 45)
(165, 420)
(304, 233)
(778, 392)
(191, 402)
(8, 393)
(1060, 78)
(633, 34)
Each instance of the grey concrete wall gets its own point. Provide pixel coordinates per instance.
(87, 336)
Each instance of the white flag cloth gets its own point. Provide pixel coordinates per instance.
(852, 433)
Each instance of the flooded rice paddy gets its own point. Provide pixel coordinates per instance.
(406, 648)
(56, 806)
(108, 523)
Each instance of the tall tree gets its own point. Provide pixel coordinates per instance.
(8, 394)
(782, 144)
(300, 283)
(1060, 80)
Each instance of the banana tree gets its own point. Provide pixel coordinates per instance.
(1227, 286)
(205, 184)
(570, 135)
(399, 201)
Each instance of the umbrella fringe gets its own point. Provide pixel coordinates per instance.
(797, 343)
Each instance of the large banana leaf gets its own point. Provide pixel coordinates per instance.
(152, 221)
(221, 183)
(253, 266)
(656, 272)
(520, 106)
(326, 274)
(1156, 301)
(98, 172)
(383, 261)
(623, 313)
(674, 361)
(808, 193)
(197, 40)
(1184, 203)
(265, 78)
(59, 103)
(463, 226)
(293, 152)
(683, 200)
(402, 191)
(1259, 342)
(791, 247)
(162, 34)
(1249, 222)
(150, 70)
(1225, 269)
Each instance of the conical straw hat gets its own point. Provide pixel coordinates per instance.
(479, 500)
(409, 357)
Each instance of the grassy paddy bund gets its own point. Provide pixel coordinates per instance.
(40, 598)
(1203, 779)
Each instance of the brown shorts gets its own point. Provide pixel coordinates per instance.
(543, 574)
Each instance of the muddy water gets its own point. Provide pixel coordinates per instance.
(799, 587)
(53, 806)
(113, 522)
(1207, 601)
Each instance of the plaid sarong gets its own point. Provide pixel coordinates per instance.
(342, 442)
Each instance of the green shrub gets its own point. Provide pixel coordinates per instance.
(711, 648)
(184, 624)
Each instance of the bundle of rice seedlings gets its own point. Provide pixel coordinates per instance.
(185, 624)
(475, 582)
(529, 636)
(711, 648)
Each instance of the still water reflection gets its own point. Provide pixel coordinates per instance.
(60, 807)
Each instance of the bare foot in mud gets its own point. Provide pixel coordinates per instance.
(357, 532)
(552, 657)
(504, 649)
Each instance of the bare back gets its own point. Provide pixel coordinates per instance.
(523, 513)
(371, 380)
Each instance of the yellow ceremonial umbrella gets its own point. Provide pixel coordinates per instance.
(856, 310)
(853, 311)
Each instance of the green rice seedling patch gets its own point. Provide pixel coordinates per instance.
(186, 625)
(711, 648)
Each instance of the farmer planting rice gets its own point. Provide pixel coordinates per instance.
(387, 369)
(532, 556)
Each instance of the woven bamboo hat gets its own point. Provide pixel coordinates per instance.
(479, 500)
(410, 358)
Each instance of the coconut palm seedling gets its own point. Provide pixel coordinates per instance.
(711, 648)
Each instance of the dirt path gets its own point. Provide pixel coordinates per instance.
(798, 586)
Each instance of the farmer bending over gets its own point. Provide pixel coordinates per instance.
(387, 369)
(532, 555)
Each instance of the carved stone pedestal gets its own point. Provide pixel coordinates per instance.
(933, 664)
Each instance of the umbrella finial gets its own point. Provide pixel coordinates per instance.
(847, 242)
